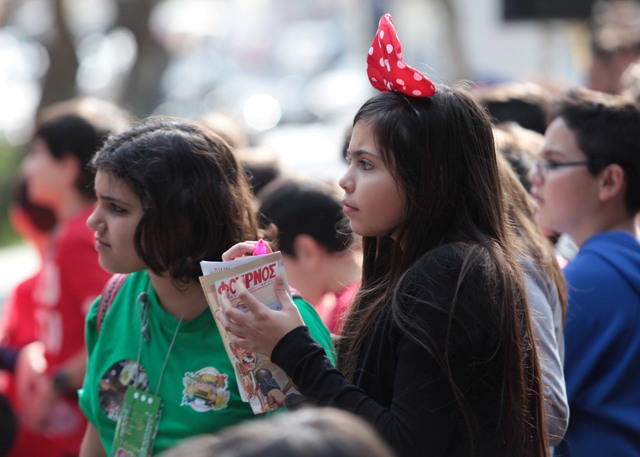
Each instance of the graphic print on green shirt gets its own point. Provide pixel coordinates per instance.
(199, 389)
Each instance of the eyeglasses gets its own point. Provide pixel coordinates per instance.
(543, 167)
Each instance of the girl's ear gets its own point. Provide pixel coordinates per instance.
(612, 183)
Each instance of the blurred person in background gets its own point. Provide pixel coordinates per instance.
(630, 81)
(51, 369)
(228, 127)
(546, 295)
(320, 253)
(35, 224)
(524, 102)
(520, 111)
(308, 432)
(615, 43)
(261, 164)
(521, 146)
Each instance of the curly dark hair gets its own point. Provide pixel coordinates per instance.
(196, 199)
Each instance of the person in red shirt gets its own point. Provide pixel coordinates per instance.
(34, 223)
(51, 369)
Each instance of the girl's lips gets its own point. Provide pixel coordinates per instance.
(536, 197)
(101, 244)
(346, 208)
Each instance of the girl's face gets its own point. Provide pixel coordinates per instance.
(48, 177)
(372, 201)
(567, 197)
(114, 221)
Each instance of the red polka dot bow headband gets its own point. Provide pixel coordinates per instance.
(386, 70)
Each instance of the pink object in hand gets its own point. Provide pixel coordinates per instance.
(260, 248)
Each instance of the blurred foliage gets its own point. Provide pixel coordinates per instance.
(10, 157)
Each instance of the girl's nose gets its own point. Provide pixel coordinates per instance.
(93, 220)
(345, 182)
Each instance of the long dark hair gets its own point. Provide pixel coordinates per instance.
(196, 198)
(440, 151)
(529, 239)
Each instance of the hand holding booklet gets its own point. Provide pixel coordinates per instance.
(263, 384)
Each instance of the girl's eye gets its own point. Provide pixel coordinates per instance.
(366, 165)
(117, 209)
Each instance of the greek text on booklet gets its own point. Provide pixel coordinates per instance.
(263, 384)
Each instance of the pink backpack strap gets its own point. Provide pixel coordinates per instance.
(108, 295)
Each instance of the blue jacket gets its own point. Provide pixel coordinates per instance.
(602, 344)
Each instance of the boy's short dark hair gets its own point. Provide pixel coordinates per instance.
(526, 103)
(79, 127)
(310, 207)
(606, 128)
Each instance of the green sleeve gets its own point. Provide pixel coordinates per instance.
(91, 325)
(317, 329)
(90, 336)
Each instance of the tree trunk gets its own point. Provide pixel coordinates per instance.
(60, 81)
(142, 92)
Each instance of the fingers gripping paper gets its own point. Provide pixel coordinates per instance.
(263, 384)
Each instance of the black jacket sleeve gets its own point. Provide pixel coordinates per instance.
(407, 396)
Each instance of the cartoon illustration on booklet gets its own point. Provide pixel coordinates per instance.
(263, 384)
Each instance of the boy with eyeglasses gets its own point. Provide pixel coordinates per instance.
(587, 185)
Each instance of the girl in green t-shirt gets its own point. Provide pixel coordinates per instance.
(170, 194)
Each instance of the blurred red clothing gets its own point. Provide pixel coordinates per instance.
(18, 329)
(333, 314)
(70, 280)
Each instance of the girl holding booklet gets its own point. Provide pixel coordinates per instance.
(170, 194)
(437, 351)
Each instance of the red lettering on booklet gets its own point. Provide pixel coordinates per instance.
(252, 280)
(261, 275)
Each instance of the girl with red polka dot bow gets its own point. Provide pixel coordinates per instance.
(437, 350)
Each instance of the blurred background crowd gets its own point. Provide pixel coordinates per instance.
(291, 72)
(280, 81)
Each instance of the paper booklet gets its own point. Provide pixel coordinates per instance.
(262, 383)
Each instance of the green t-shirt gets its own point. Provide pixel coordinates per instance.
(199, 390)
